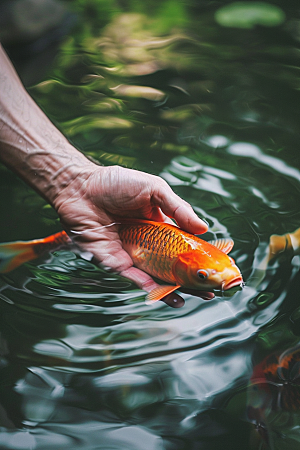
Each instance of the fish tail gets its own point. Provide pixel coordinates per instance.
(13, 254)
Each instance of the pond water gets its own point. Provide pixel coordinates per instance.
(213, 108)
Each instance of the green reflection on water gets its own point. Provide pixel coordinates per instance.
(249, 14)
(215, 111)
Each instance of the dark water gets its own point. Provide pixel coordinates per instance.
(214, 110)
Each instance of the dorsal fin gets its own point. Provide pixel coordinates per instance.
(225, 245)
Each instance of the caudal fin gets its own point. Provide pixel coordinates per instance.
(13, 254)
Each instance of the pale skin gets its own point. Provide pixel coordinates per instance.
(88, 198)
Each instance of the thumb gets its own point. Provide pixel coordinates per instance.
(177, 208)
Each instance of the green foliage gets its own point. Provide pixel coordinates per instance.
(171, 14)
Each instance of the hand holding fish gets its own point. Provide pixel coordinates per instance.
(104, 195)
(87, 197)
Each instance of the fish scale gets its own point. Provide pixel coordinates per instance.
(162, 241)
(177, 257)
(157, 247)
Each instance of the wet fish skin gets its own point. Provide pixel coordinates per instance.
(160, 249)
(180, 258)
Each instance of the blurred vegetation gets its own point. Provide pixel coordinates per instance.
(133, 76)
(249, 14)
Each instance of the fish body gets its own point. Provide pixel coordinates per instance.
(160, 249)
(180, 258)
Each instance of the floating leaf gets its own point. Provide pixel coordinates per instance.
(249, 14)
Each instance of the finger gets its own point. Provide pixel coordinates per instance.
(174, 300)
(140, 278)
(173, 206)
(109, 254)
(189, 221)
(158, 216)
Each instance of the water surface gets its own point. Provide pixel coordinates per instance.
(85, 363)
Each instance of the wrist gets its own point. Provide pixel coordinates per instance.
(67, 177)
(70, 182)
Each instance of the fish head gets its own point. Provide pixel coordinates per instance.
(194, 271)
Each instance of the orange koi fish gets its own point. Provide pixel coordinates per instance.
(13, 254)
(273, 396)
(279, 376)
(162, 250)
(177, 257)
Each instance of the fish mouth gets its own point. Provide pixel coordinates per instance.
(238, 281)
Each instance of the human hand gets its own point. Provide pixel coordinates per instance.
(87, 197)
(91, 204)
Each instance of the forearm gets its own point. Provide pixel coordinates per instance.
(30, 144)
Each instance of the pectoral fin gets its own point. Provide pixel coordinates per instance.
(225, 245)
(159, 293)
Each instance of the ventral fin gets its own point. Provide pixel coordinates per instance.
(159, 293)
(225, 245)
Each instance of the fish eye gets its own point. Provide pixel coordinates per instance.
(202, 274)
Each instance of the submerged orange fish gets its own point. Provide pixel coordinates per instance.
(279, 376)
(162, 250)
(273, 399)
(13, 254)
